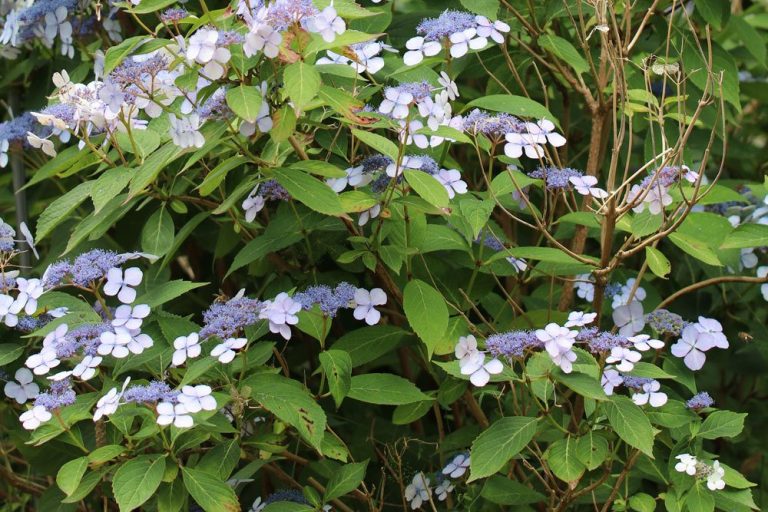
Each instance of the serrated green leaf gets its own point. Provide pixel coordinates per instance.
(210, 492)
(136, 480)
(630, 423)
(302, 83)
(70, 474)
(245, 101)
(314, 193)
(657, 262)
(504, 439)
(345, 480)
(384, 389)
(337, 365)
(60, 209)
(157, 233)
(426, 311)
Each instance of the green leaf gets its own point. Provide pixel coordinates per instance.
(267, 242)
(735, 501)
(345, 480)
(369, 343)
(722, 424)
(384, 389)
(210, 492)
(735, 479)
(548, 254)
(642, 503)
(645, 223)
(310, 191)
(379, 143)
(657, 262)
(515, 105)
(214, 178)
(148, 171)
(115, 54)
(157, 233)
(426, 311)
(221, 460)
(171, 496)
(408, 413)
(503, 491)
(136, 480)
(753, 41)
(60, 210)
(427, 187)
(487, 8)
(582, 384)
(337, 365)
(630, 423)
(182, 235)
(592, 449)
(714, 12)
(301, 83)
(9, 352)
(245, 101)
(108, 185)
(166, 292)
(148, 6)
(105, 453)
(699, 499)
(500, 442)
(563, 49)
(319, 167)
(695, 248)
(511, 181)
(287, 506)
(70, 474)
(674, 414)
(339, 100)
(291, 403)
(746, 236)
(476, 213)
(87, 484)
(562, 459)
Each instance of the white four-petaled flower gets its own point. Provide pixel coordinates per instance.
(623, 358)
(585, 185)
(580, 319)
(479, 370)
(23, 388)
(197, 398)
(226, 351)
(281, 314)
(130, 317)
(650, 394)
(176, 414)
(186, 347)
(35, 417)
(418, 48)
(365, 302)
(42, 362)
(122, 283)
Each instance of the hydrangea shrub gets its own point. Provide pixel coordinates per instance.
(294, 255)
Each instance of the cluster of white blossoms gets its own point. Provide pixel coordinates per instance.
(473, 362)
(456, 30)
(653, 192)
(696, 339)
(364, 57)
(420, 490)
(432, 109)
(714, 473)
